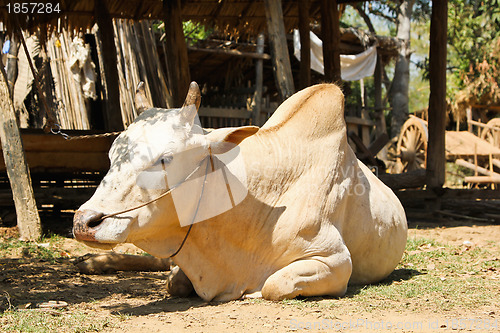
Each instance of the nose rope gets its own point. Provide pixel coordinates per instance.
(209, 161)
(197, 206)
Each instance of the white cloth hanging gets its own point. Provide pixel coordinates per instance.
(353, 67)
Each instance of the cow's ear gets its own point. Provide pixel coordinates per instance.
(191, 104)
(223, 139)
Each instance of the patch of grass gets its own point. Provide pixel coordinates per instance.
(36, 321)
(47, 249)
(300, 302)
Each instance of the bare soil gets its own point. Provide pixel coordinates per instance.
(141, 298)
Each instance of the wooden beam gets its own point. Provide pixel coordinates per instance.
(28, 220)
(109, 65)
(178, 73)
(436, 157)
(235, 53)
(279, 48)
(483, 125)
(477, 168)
(398, 181)
(330, 31)
(224, 113)
(359, 121)
(482, 179)
(305, 44)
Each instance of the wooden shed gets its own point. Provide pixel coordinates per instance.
(235, 17)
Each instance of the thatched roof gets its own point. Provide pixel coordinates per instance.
(235, 17)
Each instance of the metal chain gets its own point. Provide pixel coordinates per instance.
(56, 130)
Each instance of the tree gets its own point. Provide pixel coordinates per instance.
(399, 15)
(474, 40)
(401, 80)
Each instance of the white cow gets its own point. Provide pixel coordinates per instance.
(313, 218)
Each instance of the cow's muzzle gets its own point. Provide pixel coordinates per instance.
(85, 223)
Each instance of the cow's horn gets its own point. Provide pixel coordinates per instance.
(192, 103)
(193, 96)
(141, 101)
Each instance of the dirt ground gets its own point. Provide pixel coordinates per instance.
(140, 299)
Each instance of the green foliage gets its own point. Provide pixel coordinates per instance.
(474, 40)
(195, 32)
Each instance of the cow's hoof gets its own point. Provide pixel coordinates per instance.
(254, 295)
(178, 283)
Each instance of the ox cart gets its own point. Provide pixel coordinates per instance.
(479, 153)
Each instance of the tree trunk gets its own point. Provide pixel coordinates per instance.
(28, 220)
(399, 89)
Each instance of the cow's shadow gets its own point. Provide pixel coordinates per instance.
(168, 304)
(397, 276)
(173, 304)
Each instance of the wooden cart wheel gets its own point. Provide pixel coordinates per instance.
(412, 145)
(492, 135)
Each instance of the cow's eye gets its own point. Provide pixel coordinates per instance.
(165, 160)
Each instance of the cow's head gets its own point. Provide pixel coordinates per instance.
(158, 151)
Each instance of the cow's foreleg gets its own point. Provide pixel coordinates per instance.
(310, 277)
(110, 262)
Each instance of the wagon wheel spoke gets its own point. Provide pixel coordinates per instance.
(412, 146)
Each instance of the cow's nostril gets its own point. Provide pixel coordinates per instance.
(89, 218)
(96, 220)
(84, 223)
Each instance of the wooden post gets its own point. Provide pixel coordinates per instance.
(279, 48)
(436, 158)
(469, 118)
(259, 79)
(305, 44)
(28, 220)
(379, 107)
(107, 48)
(178, 74)
(330, 31)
